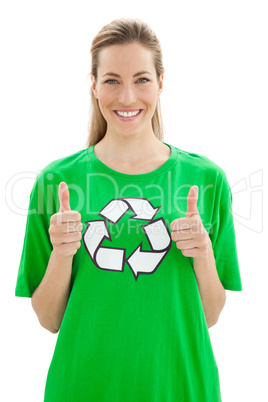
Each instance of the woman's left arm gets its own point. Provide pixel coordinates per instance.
(211, 291)
(193, 240)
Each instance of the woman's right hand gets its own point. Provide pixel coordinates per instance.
(65, 226)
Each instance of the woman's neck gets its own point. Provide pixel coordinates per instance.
(131, 152)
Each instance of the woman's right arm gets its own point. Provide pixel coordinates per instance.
(50, 298)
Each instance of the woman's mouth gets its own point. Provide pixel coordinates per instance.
(128, 118)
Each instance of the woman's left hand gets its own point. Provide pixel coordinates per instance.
(189, 233)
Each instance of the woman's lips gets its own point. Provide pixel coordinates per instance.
(128, 118)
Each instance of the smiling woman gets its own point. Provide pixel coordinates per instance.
(132, 310)
(128, 103)
(142, 74)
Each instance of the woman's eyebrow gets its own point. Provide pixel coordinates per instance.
(135, 75)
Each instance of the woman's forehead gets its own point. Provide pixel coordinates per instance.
(130, 59)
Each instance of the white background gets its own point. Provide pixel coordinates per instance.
(214, 103)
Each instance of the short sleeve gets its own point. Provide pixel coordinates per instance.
(36, 246)
(223, 238)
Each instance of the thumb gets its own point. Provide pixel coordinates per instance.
(192, 202)
(64, 197)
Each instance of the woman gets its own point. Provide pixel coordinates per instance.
(129, 244)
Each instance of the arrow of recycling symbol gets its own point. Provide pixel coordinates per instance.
(113, 259)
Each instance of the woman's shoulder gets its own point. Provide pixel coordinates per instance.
(200, 162)
(66, 162)
(205, 171)
(61, 169)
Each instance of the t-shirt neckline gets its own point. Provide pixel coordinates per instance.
(160, 170)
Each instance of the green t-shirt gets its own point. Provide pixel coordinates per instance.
(134, 329)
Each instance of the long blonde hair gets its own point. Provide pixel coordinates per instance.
(123, 31)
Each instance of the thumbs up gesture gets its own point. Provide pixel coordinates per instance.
(64, 197)
(65, 226)
(189, 233)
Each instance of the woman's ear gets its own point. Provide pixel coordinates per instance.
(94, 86)
(160, 89)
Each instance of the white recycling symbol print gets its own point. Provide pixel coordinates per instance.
(139, 261)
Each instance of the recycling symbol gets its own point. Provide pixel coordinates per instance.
(113, 259)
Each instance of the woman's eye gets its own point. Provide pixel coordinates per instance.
(144, 79)
(108, 81)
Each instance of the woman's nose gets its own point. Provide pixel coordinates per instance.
(127, 95)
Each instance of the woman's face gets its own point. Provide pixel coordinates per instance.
(125, 88)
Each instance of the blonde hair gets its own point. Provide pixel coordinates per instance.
(118, 32)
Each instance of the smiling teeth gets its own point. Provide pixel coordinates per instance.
(129, 114)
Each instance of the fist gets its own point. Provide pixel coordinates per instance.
(189, 233)
(65, 226)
